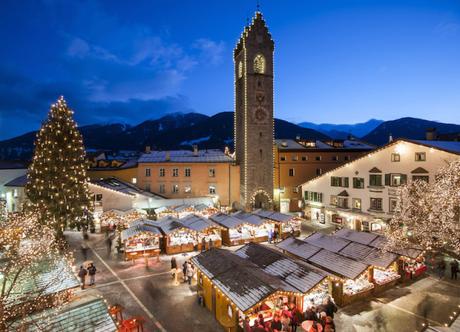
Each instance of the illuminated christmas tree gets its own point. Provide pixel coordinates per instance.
(57, 183)
(427, 214)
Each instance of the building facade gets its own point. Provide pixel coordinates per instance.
(362, 194)
(11, 195)
(253, 122)
(187, 174)
(297, 161)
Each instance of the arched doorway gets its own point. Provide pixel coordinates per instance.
(261, 200)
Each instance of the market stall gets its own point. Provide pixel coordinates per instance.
(177, 238)
(111, 219)
(285, 224)
(207, 231)
(141, 239)
(232, 286)
(237, 231)
(205, 210)
(263, 228)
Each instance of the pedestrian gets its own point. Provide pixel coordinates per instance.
(173, 266)
(109, 245)
(203, 244)
(310, 313)
(247, 325)
(329, 326)
(276, 325)
(210, 243)
(261, 320)
(84, 250)
(92, 274)
(330, 307)
(189, 272)
(270, 234)
(82, 275)
(441, 268)
(453, 269)
(184, 271)
(296, 317)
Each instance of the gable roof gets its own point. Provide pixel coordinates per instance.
(291, 271)
(138, 228)
(375, 170)
(275, 216)
(115, 184)
(197, 223)
(298, 247)
(227, 221)
(20, 181)
(419, 170)
(328, 242)
(249, 218)
(351, 235)
(338, 264)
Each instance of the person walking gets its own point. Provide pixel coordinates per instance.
(203, 244)
(453, 269)
(184, 271)
(109, 245)
(82, 275)
(92, 274)
(173, 267)
(189, 273)
(330, 307)
(441, 268)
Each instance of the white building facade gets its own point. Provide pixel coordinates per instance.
(362, 194)
(11, 195)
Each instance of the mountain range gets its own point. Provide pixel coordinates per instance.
(180, 131)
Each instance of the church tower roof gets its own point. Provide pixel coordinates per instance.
(258, 26)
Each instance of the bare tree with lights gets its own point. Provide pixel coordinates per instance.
(57, 183)
(32, 269)
(428, 214)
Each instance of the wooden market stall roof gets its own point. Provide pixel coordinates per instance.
(168, 225)
(242, 281)
(338, 264)
(249, 218)
(275, 216)
(380, 241)
(88, 313)
(198, 223)
(369, 255)
(298, 248)
(328, 242)
(359, 237)
(138, 228)
(292, 271)
(228, 221)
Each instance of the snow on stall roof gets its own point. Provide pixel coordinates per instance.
(138, 228)
(197, 223)
(338, 264)
(239, 279)
(288, 269)
(249, 218)
(351, 235)
(328, 242)
(275, 216)
(168, 224)
(227, 221)
(186, 156)
(369, 255)
(298, 248)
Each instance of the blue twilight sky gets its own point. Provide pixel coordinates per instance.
(339, 61)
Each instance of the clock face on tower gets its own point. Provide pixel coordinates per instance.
(260, 114)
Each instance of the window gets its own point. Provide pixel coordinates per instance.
(376, 204)
(134, 180)
(147, 172)
(375, 180)
(162, 189)
(188, 189)
(318, 158)
(393, 203)
(291, 171)
(342, 202)
(188, 172)
(313, 196)
(175, 172)
(395, 157)
(337, 181)
(304, 158)
(334, 200)
(395, 180)
(98, 197)
(356, 204)
(283, 158)
(358, 183)
(212, 189)
(335, 158)
(240, 69)
(319, 171)
(175, 188)
(425, 178)
(212, 172)
(420, 156)
(295, 157)
(162, 172)
(259, 64)
(147, 187)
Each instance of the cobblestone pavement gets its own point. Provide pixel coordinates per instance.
(151, 292)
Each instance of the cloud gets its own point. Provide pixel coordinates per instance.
(210, 51)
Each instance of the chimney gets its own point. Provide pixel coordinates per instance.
(390, 138)
(431, 134)
(168, 156)
(147, 149)
(195, 150)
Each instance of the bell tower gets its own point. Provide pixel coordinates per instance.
(253, 118)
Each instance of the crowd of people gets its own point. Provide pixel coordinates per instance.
(313, 319)
(188, 270)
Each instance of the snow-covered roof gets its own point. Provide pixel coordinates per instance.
(186, 156)
(197, 223)
(369, 255)
(449, 146)
(290, 270)
(291, 144)
(123, 187)
(227, 221)
(328, 242)
(338, 264)
(351, 235)
(275, 216)
(139, 227)
(249, 218)
(298, 248)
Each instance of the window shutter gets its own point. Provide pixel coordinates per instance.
(305, 195)
(332, 181)
(345, 182)
(403, 178)
(387, 179)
